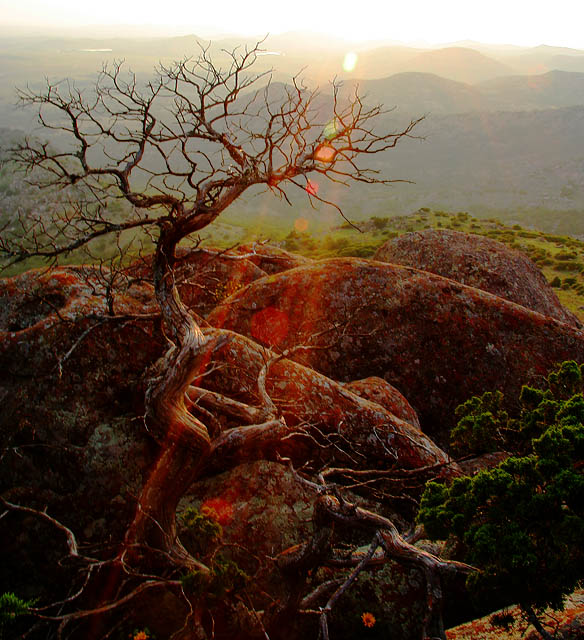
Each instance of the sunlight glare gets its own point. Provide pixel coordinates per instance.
(219, 508)
(350, 61)
(301, 224)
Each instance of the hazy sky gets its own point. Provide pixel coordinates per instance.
(524, 22)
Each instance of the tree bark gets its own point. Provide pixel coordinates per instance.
(184, 440)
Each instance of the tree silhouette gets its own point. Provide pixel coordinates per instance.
(179, 150)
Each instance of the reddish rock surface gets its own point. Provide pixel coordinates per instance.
(204, 277)
(70, 385)
(567, 624)
(478, 262)
(271, 259)
(380, 391)
(258, 496)
(267, 497)
(313, 404)
(437, 341)
(75, 442)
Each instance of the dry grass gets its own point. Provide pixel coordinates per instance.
(484, 629)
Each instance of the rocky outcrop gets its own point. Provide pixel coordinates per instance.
(204, 277)
(437, 341)
(478, 262)
(380, 391)
(72, 379)
(271, 259)
(326, 421)
(346, 346)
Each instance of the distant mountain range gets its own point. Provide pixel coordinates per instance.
(458, 63)
(504, 125)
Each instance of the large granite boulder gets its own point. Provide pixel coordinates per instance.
(325, 420)
(437, 341)
(479, 262)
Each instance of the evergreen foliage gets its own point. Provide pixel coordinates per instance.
(201, 532)
(225, 578)
(202, 535)
(521, 523)
(11, 608)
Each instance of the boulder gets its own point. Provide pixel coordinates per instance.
(439, 342)
(260, 505)
(70, 379)
(71, 392)
(478, 262)
(271, 259)
(204, 277)
(324, 420)
(380, 391)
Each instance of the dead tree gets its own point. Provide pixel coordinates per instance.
(179, 150)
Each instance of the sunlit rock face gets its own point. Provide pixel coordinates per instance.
(206, 276)
(478, 262)
(271, 259)
(437, 341)
(327, 420)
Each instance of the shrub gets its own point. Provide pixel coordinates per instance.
(224, 578)
(521, 523)
(379, 223)
(480, 426)
(200, 532)
(568, 283)
(11, 608)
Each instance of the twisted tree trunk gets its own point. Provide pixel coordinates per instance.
(184, 441)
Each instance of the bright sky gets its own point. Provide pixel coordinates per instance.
(522, 22)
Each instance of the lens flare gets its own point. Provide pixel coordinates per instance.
(312, 187)
(220, 508)
(301, 224)
(350, 61)
(331, 130)
(324, 153)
